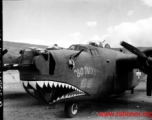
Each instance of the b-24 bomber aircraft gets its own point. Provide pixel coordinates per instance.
(81, 72)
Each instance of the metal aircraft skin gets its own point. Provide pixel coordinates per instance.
(81, 72)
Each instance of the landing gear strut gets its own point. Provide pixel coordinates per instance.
(71, 109)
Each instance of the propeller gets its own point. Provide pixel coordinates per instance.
(133, 49)
(148, 60)
(4, 52)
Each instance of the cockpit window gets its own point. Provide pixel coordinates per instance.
(81, 47)
(72, 48)
(91, 51)
(77, 48)
(94, 52)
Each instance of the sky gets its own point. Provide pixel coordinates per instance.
(66, 22)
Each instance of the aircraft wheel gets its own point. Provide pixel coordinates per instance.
(71, 109)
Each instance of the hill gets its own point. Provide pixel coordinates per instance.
(15, 47)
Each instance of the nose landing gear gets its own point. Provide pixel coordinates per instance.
(71, 109)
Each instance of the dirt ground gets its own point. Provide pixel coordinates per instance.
(18, 105)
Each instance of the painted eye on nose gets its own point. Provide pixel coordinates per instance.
(71, 64)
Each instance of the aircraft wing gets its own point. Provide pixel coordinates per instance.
(131, 61)
(144, 61)
(127, 51)
(9, 60)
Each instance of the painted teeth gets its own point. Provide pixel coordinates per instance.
(62, 97)
(55, 84)
(46, 83)
(52, 84)
(68, 96)
(59, 84)
(66, 85)
(25, 83)
(58, 98)
(33, 84)
(73, 88)
(40, 83)
(62, 85)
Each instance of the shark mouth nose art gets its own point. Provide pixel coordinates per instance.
(50, 91)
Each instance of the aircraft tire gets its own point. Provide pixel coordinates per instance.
(71, 109)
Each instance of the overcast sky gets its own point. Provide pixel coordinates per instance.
(67, 22)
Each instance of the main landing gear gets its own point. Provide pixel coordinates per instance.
(71, 109)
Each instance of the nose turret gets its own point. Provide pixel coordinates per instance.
(40, 61)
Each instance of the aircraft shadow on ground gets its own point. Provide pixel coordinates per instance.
(110, 105)
(127, 102)
(14, 95)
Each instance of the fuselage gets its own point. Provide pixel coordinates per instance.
(94, 74)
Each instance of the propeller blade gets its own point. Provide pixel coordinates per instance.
(149, 84)
(133, 49)
(149, 60)
(4, 52)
